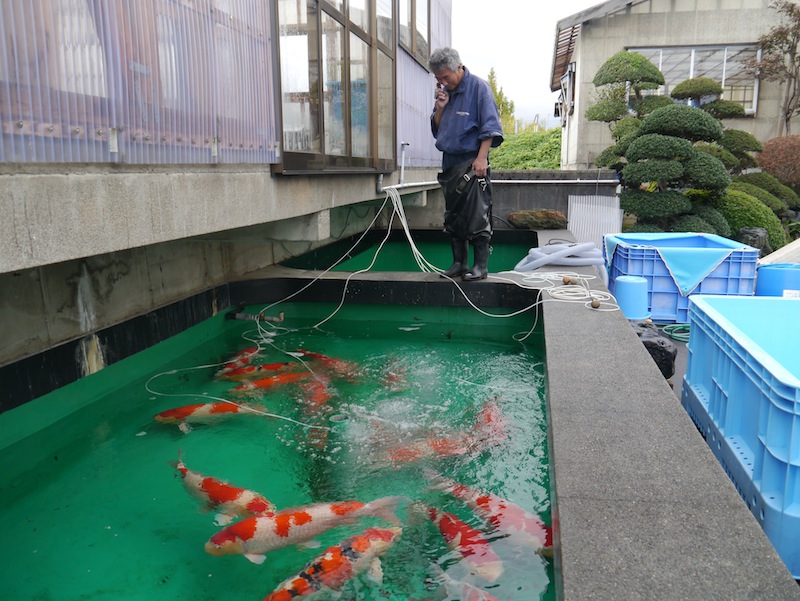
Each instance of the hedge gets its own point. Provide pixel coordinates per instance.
(770, 183)
(693, 223)
(742, 210)
(775, 204)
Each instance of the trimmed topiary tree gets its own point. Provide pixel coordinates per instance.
(742, 210)
(724, 109)
(683, 121)
(693, 223)
(715, 150)
(696, 89)
(713, 217)
(741, 144)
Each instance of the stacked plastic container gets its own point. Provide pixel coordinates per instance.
(678, 265)
(742, 390)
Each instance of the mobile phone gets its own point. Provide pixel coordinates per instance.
(436, 92)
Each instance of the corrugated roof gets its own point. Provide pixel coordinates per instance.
(567, 31)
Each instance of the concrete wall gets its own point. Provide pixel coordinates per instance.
(82, 250)
(666, 25)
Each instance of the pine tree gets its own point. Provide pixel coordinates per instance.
(505, 106)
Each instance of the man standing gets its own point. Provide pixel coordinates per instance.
(466, 124)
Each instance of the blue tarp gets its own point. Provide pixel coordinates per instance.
(688, 257)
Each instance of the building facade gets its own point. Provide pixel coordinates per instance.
(154, 149)
(684, 39)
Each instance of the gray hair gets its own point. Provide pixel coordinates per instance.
(444, 57)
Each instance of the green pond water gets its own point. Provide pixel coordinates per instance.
(92, 507)
(397, 256)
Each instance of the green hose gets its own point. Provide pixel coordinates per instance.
(677, 331)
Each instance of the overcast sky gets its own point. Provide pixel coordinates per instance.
(516, 38)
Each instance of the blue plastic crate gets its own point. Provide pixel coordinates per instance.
(679, 265)
(742, 389)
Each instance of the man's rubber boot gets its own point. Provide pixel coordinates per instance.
(460, 256)
(479, 271)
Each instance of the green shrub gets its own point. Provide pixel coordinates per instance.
(654, 205)
(713, 217)
(682, 121)
(626, 127)
(742, 210)
(607, 111)
(658, 146)
(529, 150)
(775, 204)
(770, 183)
(738, 141)
(628, 66)
(642, 227)
(652, 171)
(693, 223)
(650, 103)
(715, 150)
(723, 109)
(706, 172)
(696, 88)
(610, 159)
(781, 158)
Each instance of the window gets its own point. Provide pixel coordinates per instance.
(337, 85)
(720, 63)
(414, 35)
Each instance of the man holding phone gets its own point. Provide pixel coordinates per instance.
(466, 124)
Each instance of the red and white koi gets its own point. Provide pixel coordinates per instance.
(507, 518)
(253, 537)
(459, 589)
(254, 371)
(240, 359)
(470, 543)
(271, 382)
(230, 501)
(201, 413)
(339, 564)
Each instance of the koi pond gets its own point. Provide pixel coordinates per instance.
(426, 423)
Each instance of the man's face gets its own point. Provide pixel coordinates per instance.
(449, 78)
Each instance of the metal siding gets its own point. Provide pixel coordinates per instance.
(414, 105)
(156, 82)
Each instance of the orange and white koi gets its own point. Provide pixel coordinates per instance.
(339, 564)
(340, 367)
(240, 359)
(254, 371)
(470, 543)
(271, 382)
(253, 537)
(459, 589)
(200, 413)
(489, 429)
(230, 501)
(507, 518)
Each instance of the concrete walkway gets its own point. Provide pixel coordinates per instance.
(644, 509)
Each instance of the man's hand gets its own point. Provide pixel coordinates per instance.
(481, 166)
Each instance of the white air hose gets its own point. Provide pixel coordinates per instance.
(574, 255)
